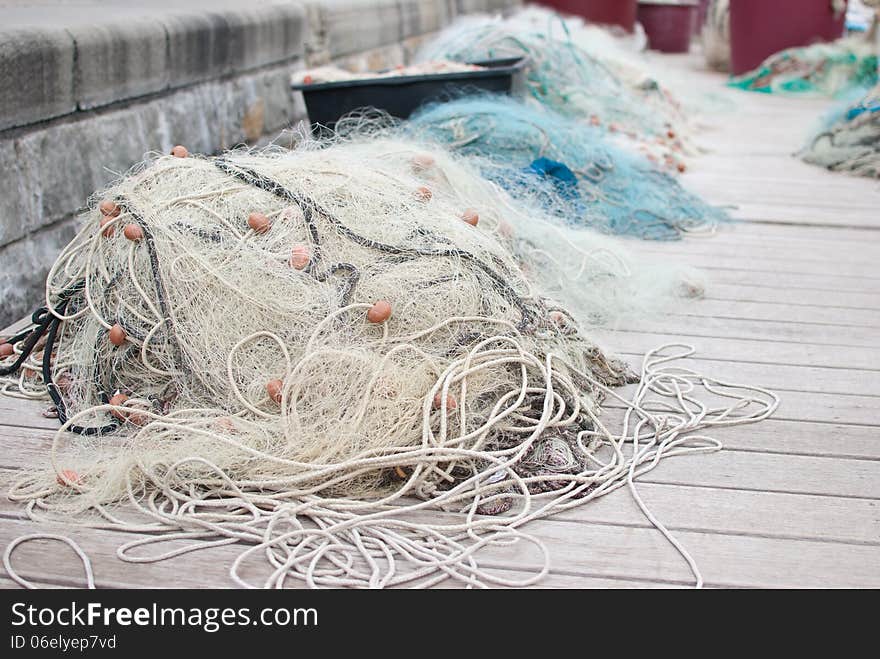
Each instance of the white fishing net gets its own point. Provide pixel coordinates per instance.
(306, 352)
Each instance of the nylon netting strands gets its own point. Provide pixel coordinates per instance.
(565, 167)
(821, 69)
(591, 275)
(851, 140)
(212, 312)
(569, 79)
(624, 56)
(619, 51)
(264, 407)
(195, 272)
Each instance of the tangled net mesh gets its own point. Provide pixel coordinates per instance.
(850, 140)
(826, 69)
(565, 76)
(306, 352)
(567, 168)
(557, 242)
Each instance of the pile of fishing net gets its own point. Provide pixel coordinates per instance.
(622, 52)
(568, 168)
(326, 357)
(625, 56)
(569, 78)
(826, 69)
(594, 276)
(850, 141)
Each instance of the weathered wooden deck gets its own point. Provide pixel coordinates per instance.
(793, 305)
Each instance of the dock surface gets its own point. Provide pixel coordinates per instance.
(792, 304)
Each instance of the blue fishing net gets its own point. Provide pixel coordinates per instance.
(570, 168)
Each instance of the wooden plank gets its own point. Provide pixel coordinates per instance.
(788, 281)
(828, 408)
(784, 378)
(798, 240)
(731, 242)
(747, 350)
(22, 447)
(15, 327)
(800, 213)
(594, 550)
(759, 330)
(763, 257)
(832, 299)
(761, 514)
(792, 474)
(793, 313)
(810, 406)
(774, 183)
(206, 568)
(813, 233)
(837, 271)
(18, 412)
(8, 584)
(57, 564)
(803, 214)
(725, 560)
(803, 438)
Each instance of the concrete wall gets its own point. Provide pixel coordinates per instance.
(89, 87)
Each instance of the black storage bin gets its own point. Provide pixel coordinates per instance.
(400, 96)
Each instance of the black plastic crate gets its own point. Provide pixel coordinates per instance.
(400, 96)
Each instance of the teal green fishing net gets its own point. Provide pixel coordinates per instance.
(827, 69)
(850, 139)
(565, 77)
(569, 168)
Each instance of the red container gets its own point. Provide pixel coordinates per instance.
(759, 28)
(669, 25)
(604, 12)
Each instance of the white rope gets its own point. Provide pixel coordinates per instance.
(337, 542)
(17, 542)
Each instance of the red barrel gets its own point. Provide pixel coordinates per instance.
(604, 12)
(669, 24)
(759, 28)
